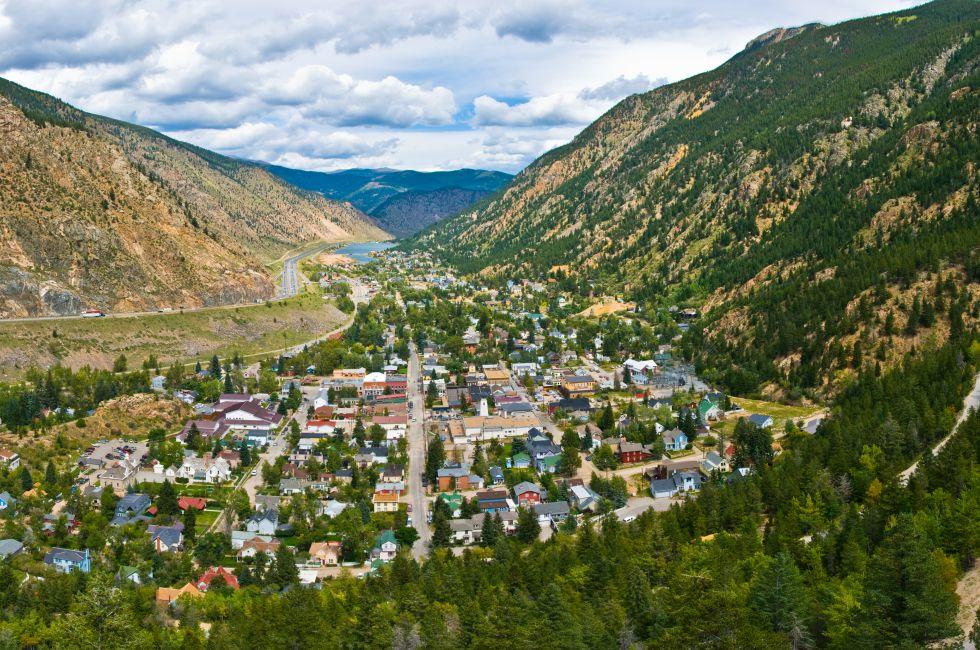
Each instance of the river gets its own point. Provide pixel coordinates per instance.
(361, 252)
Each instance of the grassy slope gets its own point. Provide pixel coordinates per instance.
(171, 336)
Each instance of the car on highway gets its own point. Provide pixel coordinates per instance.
(255, 472)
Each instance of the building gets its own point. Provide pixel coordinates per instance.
(480, 428)
(131, 508)
(9, 459)
(527, 493)
(714, 462)
(632, 452)
(263, 523)
(674, 439)
(385, 501)
(577, 385)
(679, 482)
(551, 512)
(761, 421)
(493, 501)
(66, 560)
(639, 371)
(325, 553)
(218, 574)
(256, 545)
(9, 547)
(166, 539)
(170, 595)
(209, 430)
(385, 547)
(7, 502)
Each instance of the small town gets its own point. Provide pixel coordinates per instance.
(444, 415)
(549, 325)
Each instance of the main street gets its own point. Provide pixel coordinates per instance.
(416, 455)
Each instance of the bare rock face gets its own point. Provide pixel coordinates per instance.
(777, 35)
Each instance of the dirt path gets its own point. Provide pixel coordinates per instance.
(970, 402)
(968, 589)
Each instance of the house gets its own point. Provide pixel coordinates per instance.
(131, 508)
(371, 456)
(233, 458)
(639, 371)
(679, 482)
(674, 439)
(66, 560)
(257, 437)
(325, 553)
(240, 537)
(263, 523)
(257, 545)
(714, 462)
(130, 574)
(497, 475)
(545, 454)
(7, 501)
(493, 501)
(216, 574)
(550, 512)
(469, 531)
(521, 461)
(385, 547)
(632, 452)
(9, 547)
(331, 508)
(578, 408)
(290, 486)
(453, 501)
(393, 473)
(170, 595)
(497, 377)
(119, 477)
(583, 498)
(386, 501)
(166, 539)
(455, 476)
(197, 503)
(709, 410)
(528, 493)
(761, 421)
(9, 459)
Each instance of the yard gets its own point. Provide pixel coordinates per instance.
(204, 520)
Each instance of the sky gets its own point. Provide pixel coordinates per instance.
(337, 84)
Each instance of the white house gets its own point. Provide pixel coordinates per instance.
(9, 459)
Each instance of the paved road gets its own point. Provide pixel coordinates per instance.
(289, 278)
(416, 456)
(970, 402)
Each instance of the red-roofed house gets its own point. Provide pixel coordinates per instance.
(198, 503)
(204, 582)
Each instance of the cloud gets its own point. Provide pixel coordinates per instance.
(535, 22)
(319, 92)
(621, 87)
(560, 108)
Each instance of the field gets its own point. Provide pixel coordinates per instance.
(779, 412)
(181, 336)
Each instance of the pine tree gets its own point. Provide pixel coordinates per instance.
(167, 500)
(26, 480)
(190, 524)
(528, 527)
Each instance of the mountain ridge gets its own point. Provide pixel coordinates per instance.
(757, 185)
(432, 196)
(100, 213)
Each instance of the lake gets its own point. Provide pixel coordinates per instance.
(361, 252)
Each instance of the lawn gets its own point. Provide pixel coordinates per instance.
(204, 520)
(779, 412)
(172, 336)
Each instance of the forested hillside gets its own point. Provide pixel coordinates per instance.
(816, 195)
(99, 213)
(402, 201)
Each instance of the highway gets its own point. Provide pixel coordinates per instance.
(289, 278)
(416, 456)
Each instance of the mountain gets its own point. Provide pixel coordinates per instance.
(402, 201)
(95, 212)
(816, 196)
